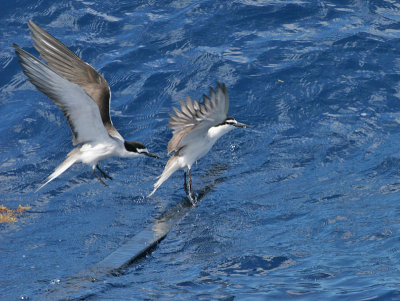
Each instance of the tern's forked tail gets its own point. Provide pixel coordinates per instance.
(72, 157)
(172, 166)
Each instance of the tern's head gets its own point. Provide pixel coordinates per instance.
(230, 121)
(224, 127)
(137, 148)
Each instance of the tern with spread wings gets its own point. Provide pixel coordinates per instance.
(196, 127)
(83, 95)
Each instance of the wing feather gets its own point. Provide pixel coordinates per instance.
(190, 106)
(185, 110)
(67, 64)
(196, 105)
(82, 113)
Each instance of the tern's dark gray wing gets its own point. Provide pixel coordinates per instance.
(67, 64)
(194, 117)
(81, 112)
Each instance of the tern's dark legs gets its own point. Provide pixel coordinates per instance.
(190, 182)
(185, 184)
(190, 194)
(106, 176)
(97, 176)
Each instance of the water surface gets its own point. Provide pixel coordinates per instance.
(304, 205)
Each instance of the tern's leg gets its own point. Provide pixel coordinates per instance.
(185, 184)
(97, 176)
(106, 176)
(191, 194)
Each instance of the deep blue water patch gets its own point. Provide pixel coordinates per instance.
(303, 205)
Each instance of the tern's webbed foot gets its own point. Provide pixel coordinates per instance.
(192, 198)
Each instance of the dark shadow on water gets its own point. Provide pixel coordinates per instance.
(252, 265)
(83, 285)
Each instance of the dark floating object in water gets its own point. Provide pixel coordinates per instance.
(83, 285)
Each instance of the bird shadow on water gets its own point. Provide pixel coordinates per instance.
(134, 250)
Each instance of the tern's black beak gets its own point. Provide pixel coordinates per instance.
(241, 125)
(151, 155)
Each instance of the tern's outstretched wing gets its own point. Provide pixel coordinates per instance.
(67, 64)
(80, 110)
(194, 117)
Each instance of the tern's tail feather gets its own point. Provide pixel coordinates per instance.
(71, 159)
(172, 166)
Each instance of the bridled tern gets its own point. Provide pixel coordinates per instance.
(83, 95)
(196, 127)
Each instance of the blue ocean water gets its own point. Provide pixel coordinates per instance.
(304, 205)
